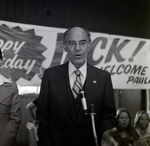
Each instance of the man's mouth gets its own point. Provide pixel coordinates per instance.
(78, 55)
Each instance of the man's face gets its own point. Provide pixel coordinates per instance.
(77, 45)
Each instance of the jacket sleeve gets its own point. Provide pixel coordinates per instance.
(43, 113)
(108, 113)
(11, 129)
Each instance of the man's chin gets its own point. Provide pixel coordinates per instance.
(78, 63)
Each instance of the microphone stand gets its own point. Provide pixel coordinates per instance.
(93, 124)
(83, 100)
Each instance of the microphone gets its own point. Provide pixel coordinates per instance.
(93, 124)
(83, 100)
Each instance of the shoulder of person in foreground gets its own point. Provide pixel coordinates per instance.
(107, 138)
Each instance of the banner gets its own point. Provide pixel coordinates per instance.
(29, 49)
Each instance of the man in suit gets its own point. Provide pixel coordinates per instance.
(62, 121)
(10, 115)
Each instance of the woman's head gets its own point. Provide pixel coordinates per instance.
(141, 120)
(123, 119)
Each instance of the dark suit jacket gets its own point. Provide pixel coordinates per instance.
(57, 123)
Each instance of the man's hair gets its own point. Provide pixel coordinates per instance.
(1, 57)
(67, 31)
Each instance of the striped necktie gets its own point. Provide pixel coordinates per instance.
(77, 87)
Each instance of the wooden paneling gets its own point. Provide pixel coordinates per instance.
(3, 8)
(48, 12)
(11, 9)
(19, 10)
(125, 17)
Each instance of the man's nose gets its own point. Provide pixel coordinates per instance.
(77, 46)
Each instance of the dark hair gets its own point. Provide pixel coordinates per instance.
(66, 32)
(118, 115)
(1, 57)
(130, 130)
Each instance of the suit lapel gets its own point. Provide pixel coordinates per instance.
(91, 86)
(92, 83)
(5, 90)
(62, 81)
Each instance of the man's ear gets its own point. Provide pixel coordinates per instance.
(89, 47)
(65, 49)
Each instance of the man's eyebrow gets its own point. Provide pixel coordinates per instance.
(79, 40)
(83, 40)
(69, 41)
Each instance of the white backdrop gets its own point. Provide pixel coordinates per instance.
(30, 49)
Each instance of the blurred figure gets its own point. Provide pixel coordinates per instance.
(32, 122)
(107, 138)
(10, 114)
(141, 122)
(124, 134)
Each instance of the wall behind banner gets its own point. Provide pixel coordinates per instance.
(124, 17)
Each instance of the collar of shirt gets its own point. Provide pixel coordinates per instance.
(72, 76)
(3, 79)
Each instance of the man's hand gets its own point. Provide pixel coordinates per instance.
(107, 138)
(30, 125)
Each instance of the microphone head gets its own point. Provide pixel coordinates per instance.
(84, 104)
(82, 92)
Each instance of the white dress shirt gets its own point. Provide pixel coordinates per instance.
(72, 75)
(3, 79)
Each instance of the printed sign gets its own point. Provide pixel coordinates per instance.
(29, 49)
